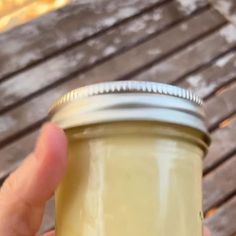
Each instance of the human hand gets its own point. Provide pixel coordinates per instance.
(25, 192)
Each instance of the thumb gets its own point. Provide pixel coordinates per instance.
(25, 192)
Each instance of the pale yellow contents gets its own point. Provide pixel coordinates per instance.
(131, 185)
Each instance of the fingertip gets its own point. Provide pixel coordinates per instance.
(25, 192)
(51, 155)
(51, 142)
(53, 128)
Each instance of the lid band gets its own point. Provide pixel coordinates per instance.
(129, 101)
(124, 87)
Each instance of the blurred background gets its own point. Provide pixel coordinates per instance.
(16, 12)
(48, 47)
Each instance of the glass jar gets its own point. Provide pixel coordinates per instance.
(135, 161)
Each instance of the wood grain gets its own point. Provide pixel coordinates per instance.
(226, 8)
(195, 56)
(113, 42)
(219, 184)
(221, 105)
(222, 223)
(15, 152)
(34, 110)
(223, 145)
(207, 81)
(63, 28)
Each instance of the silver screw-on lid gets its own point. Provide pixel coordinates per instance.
(127, 101)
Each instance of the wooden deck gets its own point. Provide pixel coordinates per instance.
(158, 40)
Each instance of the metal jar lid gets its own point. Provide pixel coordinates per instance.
(129, 101)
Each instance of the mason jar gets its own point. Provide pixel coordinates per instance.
(134, 161)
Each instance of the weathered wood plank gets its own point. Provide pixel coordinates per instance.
(52, 96)
(110, 43)
(221, 105)
(216, 103)
(57, 30)
(191, 58)
(25, 115)
(222, 223)
(205, 82)
(226, 8)
(189, 6)
(14, 153)
(219, 184)
(223, 144)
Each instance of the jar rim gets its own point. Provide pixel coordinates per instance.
(125, 87)
(129, 101)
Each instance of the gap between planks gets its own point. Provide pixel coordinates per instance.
(23, 132)
(15, 101)
(73, 43)
(42, 118)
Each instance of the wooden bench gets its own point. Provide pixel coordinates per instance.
(116, 40)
